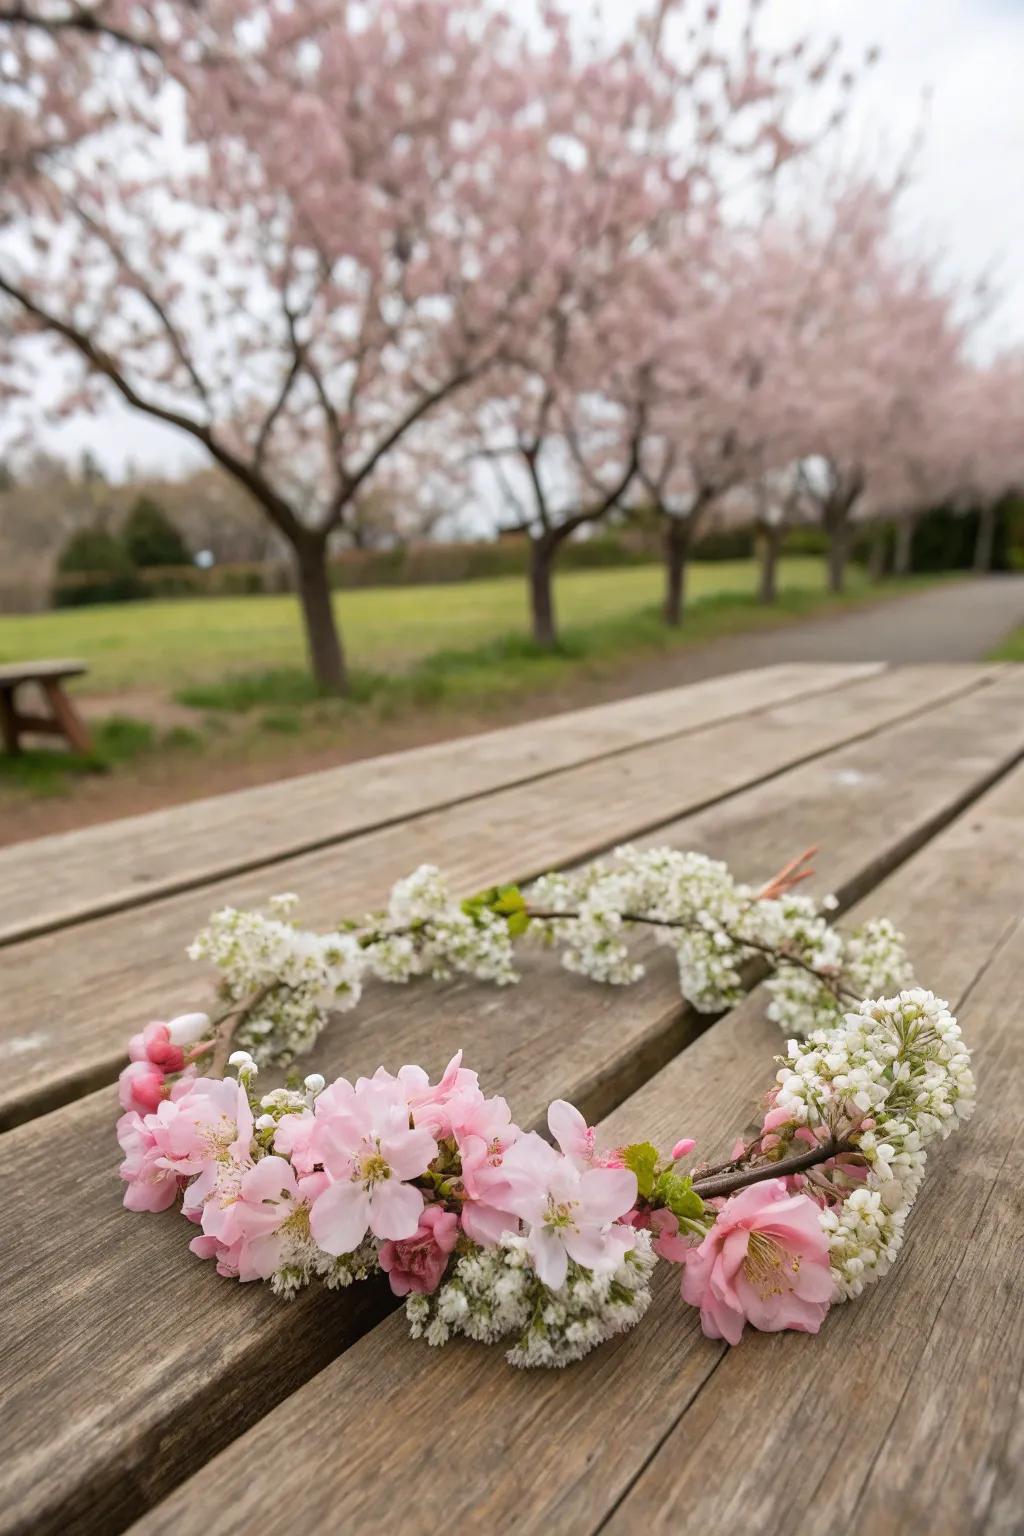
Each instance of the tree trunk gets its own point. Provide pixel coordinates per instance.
(771, 546)
(876, 559)
(542, 595)
(838, 548)
(903, 558)
(984, 546)
(323, 640)
(677, 549)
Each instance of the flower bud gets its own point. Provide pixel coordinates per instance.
(187, 1028)
(683, 1148)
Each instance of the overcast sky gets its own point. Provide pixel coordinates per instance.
(969, 192)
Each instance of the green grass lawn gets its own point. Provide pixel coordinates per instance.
(239, 663)
(174, 644)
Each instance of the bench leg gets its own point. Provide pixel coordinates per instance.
(9, 721)
(67, 717)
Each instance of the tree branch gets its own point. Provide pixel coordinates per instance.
(247, 475)
(720, 1185)
(77, 20)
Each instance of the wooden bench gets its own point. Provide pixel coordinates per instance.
(63, 719)
(138, 1389)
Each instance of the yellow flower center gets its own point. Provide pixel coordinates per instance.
(765, 1266)
(373, 1169)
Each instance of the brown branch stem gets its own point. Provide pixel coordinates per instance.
(227, 1022)
(718, 1185)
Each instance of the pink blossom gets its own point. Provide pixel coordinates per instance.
(362, 1138)
(418, 1263)
(268, 1199)
(683, 1148)
(293, 1138)
(141, 1086)
(669, 1242)
(486, 1213)
(430, 1103)
(455, 1107)
(570, 1212)
(209, 1120)
(577, 1139)
(154, 1044)
(227, 1255)
(152, 1186)
(572, 1133)
(765, 1261)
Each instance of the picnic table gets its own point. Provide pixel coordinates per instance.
(63, 719)
(137, 1389)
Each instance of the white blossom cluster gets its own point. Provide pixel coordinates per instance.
(714, 924)
(869, 962)
(306, 1262)
(493, 1293)
(893, 1077)
(691, 902)
(864, 1238)
(306, 976)
(426, 932)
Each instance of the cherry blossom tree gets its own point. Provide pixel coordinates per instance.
(615, 397)
(328, 223)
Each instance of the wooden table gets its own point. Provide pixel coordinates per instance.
(140, 1390)
(62, 720)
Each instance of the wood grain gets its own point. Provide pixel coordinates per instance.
(100, 1430)
(58, 880)
(58, 1041)
(920, 1382)
(395, 1433)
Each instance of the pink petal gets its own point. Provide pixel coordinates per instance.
(394, 1209)
(606, 1193)
(339, 1217)
(568, 1127)
(408, 1153)
(271, 1178)
(548, 1256)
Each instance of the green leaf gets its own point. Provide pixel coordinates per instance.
(642, 1159)
(675, 1191)
(483, 901)
(505, 901)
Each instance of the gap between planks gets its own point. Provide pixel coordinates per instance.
(665, 1431)
(132, 965)
(99, 1430)
(57, 881)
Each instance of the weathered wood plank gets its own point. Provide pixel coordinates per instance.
(532, 1452)
(31, 671)
(54, 881)
(131, 965)
(920, 1381)
(100, 1431)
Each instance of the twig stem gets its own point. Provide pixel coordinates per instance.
(780, 956)
(715, 1186)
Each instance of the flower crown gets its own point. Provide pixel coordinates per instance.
(495, 1232)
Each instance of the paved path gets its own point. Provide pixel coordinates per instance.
(963, 621)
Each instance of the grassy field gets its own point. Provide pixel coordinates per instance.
(194, 695)
(174, 644)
